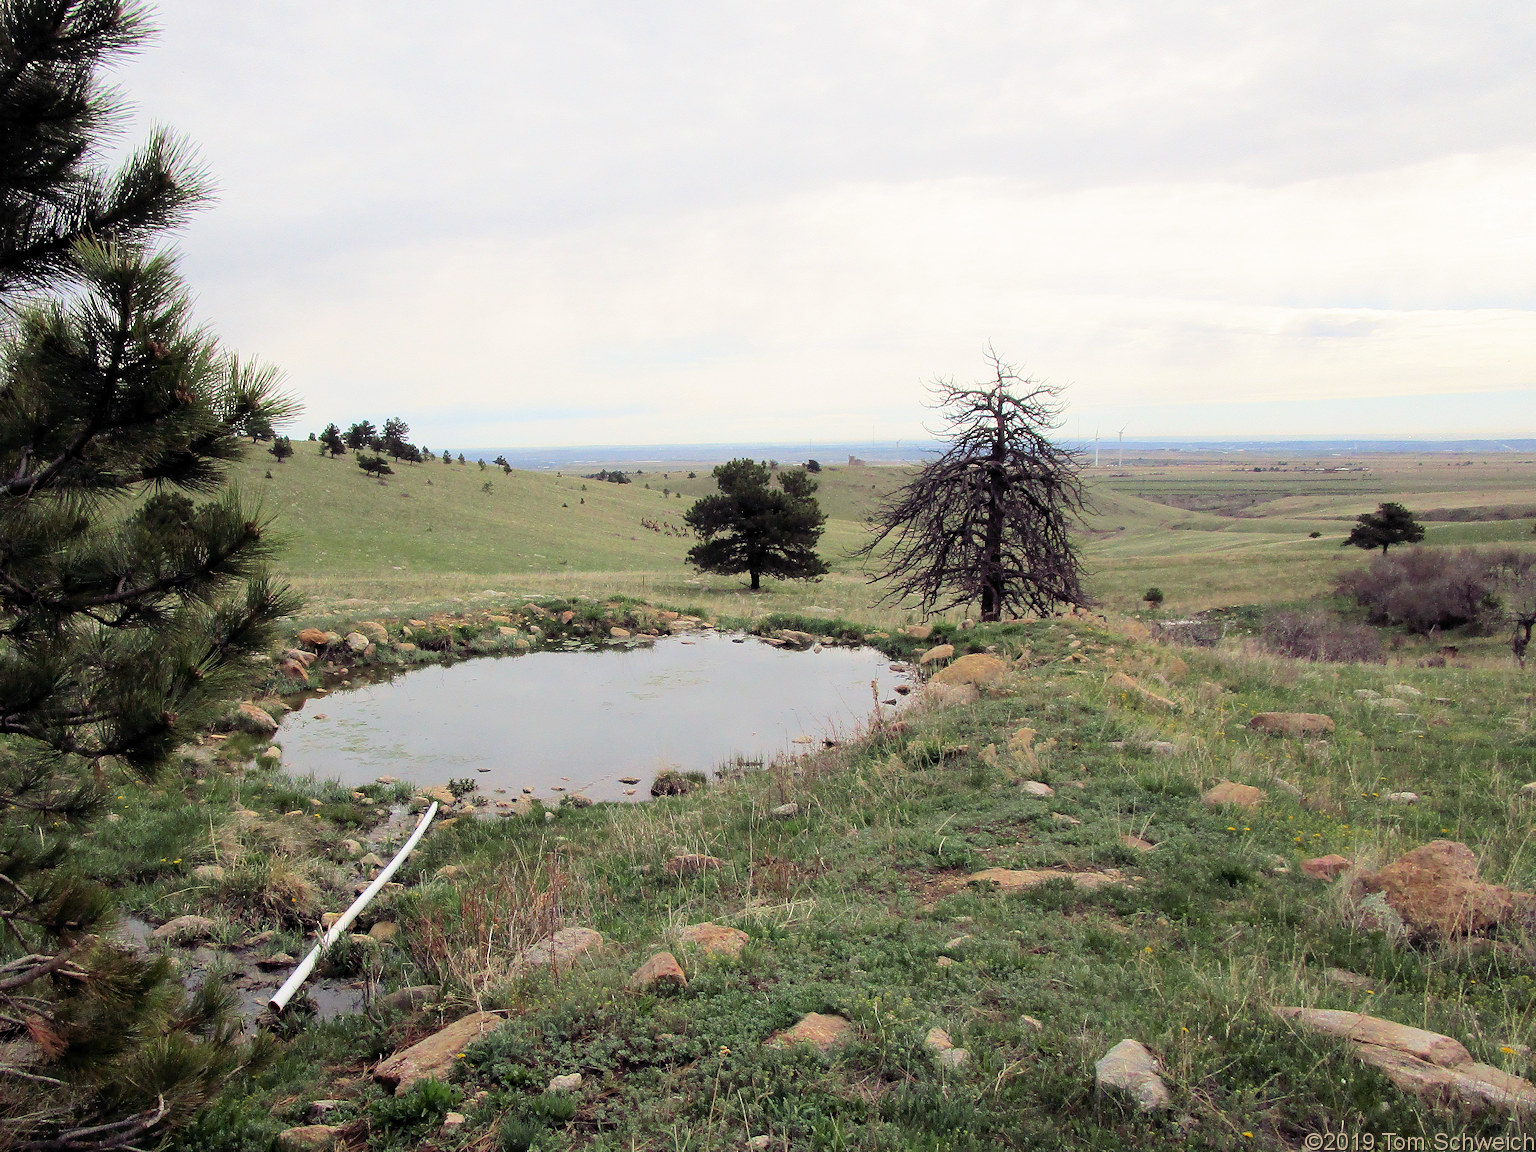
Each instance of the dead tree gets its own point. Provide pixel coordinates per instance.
(990, 520)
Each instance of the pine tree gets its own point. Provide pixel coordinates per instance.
(362, 435)
(990, 520)
(282, 448)
(132, 586)
(332, 442)
(750, 526)
(1390, 524)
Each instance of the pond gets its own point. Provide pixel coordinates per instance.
(582, 721)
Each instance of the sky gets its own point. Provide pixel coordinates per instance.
(635, 222)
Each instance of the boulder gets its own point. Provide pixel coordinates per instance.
(435, 1056)
(950, 695)
(209, 872)
(1017, 880)
(371, 860)
(941, 652)
(715, 939)
(441, 795)
(661, 970)
(1137, 843)
(1133, 693)
(619, 633)
(795, 639)
(385, 931)
(374, 631)
(185, 929)
(256, 721)
(356, 641)
(294, 670)
(1037, 788)
(1436, 890)
(579, 800)
(692, 864)
(1294, 724)
(568, 1083)
(1128, 1067)
(821, 1031)
(299, 656)
(978, 668)
(410, 999)
(557, 952)
(918, 631)
(314, 637)
(785, 811)
(1401, 798)
(1326, 867)
(1239, 795)
(308, 1138)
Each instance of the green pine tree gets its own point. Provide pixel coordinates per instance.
(750, 526)
(132, 583)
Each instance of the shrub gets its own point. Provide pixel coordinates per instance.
(1423, 589)
(1322, 636)
(1153, 596)
(671, 782)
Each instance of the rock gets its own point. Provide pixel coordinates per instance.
(1528, 790)
(275, 961)
(940, 652)
(299, 656)
(185, 929)
(1387, 702)
(363, 940)
(1241, 795)
(785, 811)
(448, 871)
(570, 1083)
(412, 998)
(371, 860)
(435, 1056)
(950, 695)
(945, 962)
(1294, 724)
(328, 919)
(579, 800)
(692, 864)
(441, 795)
(1137, 843)
(1376, 915)
(937, 1041)
(715, 939)
(256, 721)
(356, 641)
(307, 1138)
(209, 872)
(351, 847)
(314, 638)
(760, 1142)
(319, 1109)
(820, 1031)
(1428, 1046)
(294, 670)
(453, 1121)
(1130, 1068)
(1436, 890)
(385, 931)
(661, 970)
(918, 631)
(953, 1059)
(405, 646)
(1367, 694)
(1032, 1022)
(1160, 747)
(1405, 690)
(1015, 880)
(978, 668)
(558, 952)
(1063, 818)
(619, 633)
(1401, 798)
(374, 631)
(1475, 1085)
(1036, 788)
(1351, 980)
(795, 639)
(1326, 867)
(1135, 693)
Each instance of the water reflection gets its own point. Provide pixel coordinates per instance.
(579, 721)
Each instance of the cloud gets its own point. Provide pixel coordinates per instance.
(705, 222)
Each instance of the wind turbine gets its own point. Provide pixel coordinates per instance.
(1095, 446)
(1120, 459)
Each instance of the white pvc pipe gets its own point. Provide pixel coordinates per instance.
(281, 997)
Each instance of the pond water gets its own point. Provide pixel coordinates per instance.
(579, 721)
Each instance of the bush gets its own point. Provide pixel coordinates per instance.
(1424, 589)
(1153, 596)
(1322, 636)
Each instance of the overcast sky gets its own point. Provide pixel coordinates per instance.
(634, 222)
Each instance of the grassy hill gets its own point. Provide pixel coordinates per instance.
(1209, 533)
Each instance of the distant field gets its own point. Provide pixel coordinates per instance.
(1208, 532)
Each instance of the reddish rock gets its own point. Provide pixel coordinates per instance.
(314, 638)
(822, 1032)
(1241, 795)
(1016, 880)
(1436, 890)
(1296, 724)
(435, 1056)
(941, 652)
(715, 939)
(1326, 867)
(661, 970)
(978, 668)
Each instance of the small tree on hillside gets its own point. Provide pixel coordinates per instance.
(750, 526)
(282, 448)
(990, 520)
(1390, 524)
(394, 437)
(361, 435)
(375, 466)
(331, 441)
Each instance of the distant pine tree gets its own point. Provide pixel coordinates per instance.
(750, 526)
